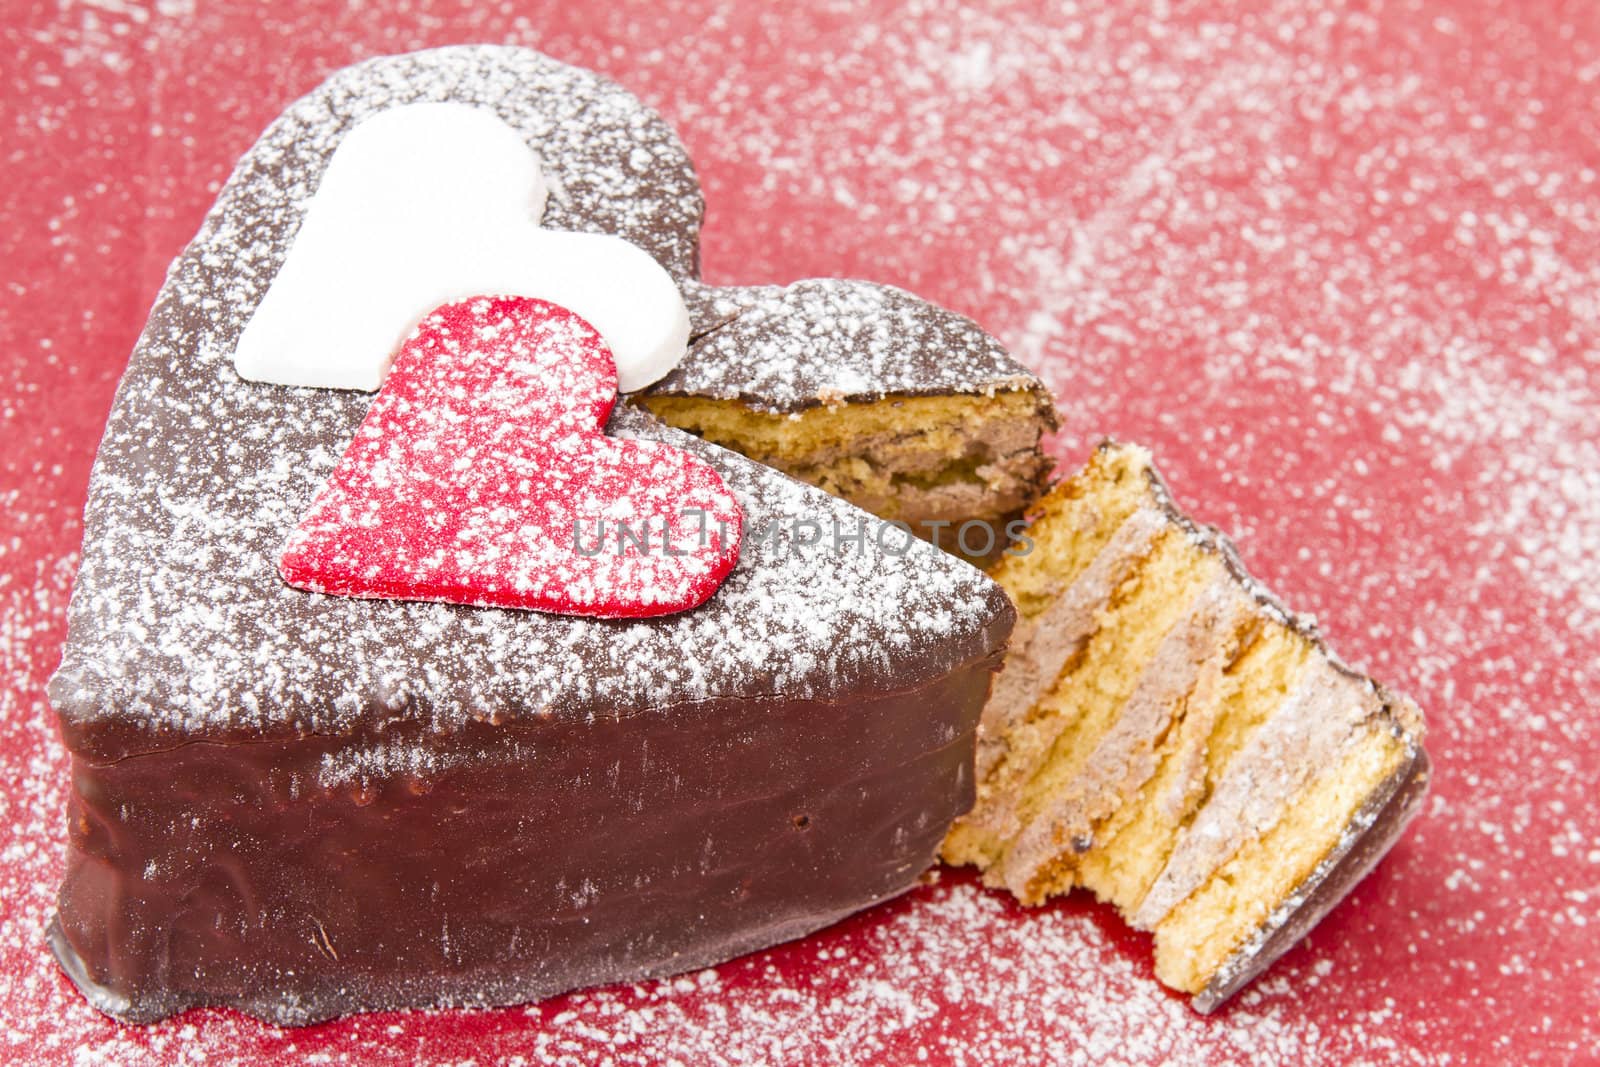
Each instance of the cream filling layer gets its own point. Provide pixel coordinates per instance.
(1128, 755)
(1314, 727)
(1041, 648)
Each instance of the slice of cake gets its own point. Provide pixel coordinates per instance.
(304, 805)
(1169, 736)
(899, 406)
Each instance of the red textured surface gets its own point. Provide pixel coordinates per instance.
(1336, 262)
(481, 475)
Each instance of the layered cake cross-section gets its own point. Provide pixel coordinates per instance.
(901, 407)
(1169, 736)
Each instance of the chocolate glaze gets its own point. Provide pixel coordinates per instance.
(531, 859)
(219, 720)
(830, 340)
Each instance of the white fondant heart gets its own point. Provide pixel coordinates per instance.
(429, 203)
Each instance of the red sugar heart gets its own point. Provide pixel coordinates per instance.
(481, 476)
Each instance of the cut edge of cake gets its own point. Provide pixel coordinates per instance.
(1168, 735)
(908, 410)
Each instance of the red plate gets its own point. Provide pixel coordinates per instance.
(1337, 263)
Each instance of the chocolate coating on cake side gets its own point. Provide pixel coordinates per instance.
(301, 880)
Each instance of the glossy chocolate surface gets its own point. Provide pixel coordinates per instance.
(513, 862)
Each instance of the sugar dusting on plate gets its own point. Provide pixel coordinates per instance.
(1391, 403)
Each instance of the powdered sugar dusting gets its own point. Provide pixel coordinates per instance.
(182, 629)
(828, 341)
(1240, 190)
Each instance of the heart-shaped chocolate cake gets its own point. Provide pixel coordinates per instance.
(304, 804)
